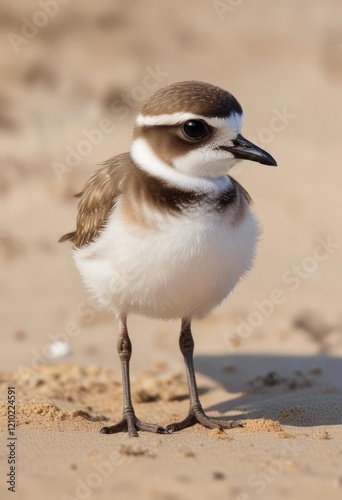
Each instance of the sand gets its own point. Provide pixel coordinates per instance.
(270, 356)
(289, 434)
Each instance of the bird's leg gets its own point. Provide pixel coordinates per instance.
(196, 413)
(129, 420)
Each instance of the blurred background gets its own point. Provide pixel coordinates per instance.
(72, 77)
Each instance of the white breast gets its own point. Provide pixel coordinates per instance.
(184, 268)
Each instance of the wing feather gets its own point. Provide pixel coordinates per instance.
(98, 198)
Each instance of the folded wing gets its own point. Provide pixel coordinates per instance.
(98, 199)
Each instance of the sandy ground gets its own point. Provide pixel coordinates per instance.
(271, 355)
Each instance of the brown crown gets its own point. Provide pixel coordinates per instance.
(192, 97)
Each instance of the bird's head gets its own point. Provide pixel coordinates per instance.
(192, 128)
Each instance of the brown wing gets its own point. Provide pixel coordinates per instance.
(98, 199)
(243, 191)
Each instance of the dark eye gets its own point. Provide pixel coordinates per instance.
(195, 129)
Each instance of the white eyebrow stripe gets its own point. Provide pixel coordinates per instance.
(234, 121)
(167, 119)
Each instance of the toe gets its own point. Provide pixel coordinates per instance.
(155, 428)
(120, 426)
(133, 432)
(226, 424)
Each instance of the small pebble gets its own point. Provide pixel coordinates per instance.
(218, 475)
(18, 335)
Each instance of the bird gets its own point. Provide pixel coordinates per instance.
(164, 231)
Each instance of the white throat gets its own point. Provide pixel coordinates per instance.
(144, 157)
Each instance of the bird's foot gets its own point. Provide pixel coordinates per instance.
(131, 424)
(196, 415)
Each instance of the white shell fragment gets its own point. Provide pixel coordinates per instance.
(59, 349)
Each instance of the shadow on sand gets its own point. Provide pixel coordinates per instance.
(297, 390)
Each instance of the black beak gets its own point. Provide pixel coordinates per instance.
(246, 150)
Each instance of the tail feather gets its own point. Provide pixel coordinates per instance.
(68, 236)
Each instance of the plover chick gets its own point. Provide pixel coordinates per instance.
(163, 231)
